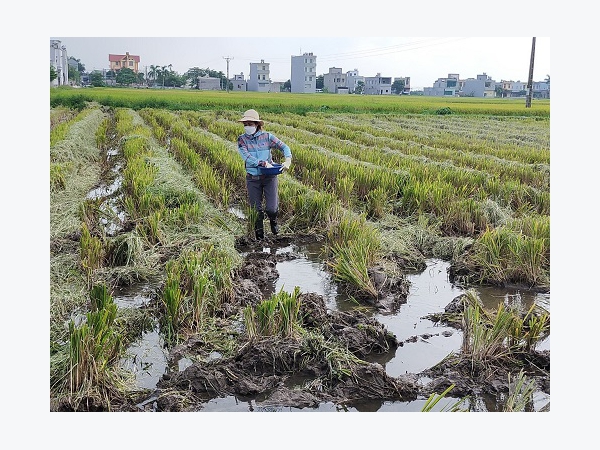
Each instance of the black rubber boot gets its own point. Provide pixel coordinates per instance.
(273, 223)
(258, 226)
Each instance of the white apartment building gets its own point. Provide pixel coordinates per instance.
(304, 74)
(352, 80)
(259, 79)
(334, 80)
(59, 60)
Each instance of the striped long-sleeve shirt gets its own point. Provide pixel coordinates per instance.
(258, 147)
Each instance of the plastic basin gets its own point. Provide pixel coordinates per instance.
(275, 170)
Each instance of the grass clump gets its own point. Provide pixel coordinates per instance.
(275, 316)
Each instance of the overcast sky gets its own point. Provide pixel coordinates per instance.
(423, 59)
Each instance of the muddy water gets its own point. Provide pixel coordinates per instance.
(424, 342)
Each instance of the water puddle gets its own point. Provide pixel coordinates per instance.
(136, 295)
(147, 359)
(112, 218)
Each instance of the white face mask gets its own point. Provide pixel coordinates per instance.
(250, 129)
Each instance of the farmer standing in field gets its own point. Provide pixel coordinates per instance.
(255, 149)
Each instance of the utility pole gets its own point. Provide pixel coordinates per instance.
(227, 58)
(530, 79)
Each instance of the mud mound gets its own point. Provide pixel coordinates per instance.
(293, 371)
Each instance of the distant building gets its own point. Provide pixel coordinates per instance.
(335, 80)
(510, 89)
(304, 74)
(118, 62)
(541, 89)
(378, 85)
(259, 79)
(482, 86)
(276, 86)
(59, 60)
(352, 80)
(444, 87)
(209, 83)
(239, 82)
(406, 90)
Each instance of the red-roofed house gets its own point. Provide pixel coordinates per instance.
(118, 62)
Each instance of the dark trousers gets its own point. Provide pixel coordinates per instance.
(263, 188)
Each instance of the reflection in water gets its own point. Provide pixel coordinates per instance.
(136, 295)
(147, 359)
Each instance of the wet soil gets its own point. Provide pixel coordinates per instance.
(297, 371)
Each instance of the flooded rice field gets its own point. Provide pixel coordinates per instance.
(425, 343)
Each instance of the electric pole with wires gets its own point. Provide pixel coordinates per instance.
(530, 79)
(227, 58)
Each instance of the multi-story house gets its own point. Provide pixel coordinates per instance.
(378, 85)
(444, 87)
(118, 62)
(406, 89)
(239, 82)
(334, 82)
(352, 80)
(259, 79)
(304, 74)
(59, 60)
(511, 88)
(482, 86)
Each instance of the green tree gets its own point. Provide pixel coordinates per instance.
(126, 76)
(153, 74)
(74, 75)
(164, 73)
(287, 86)
(195, 72)
(96, 78)
(192, 75)
(360, 87)
(53, 73)
(398, 87)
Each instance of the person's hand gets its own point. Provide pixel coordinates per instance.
(287, 163)
(262, 163)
